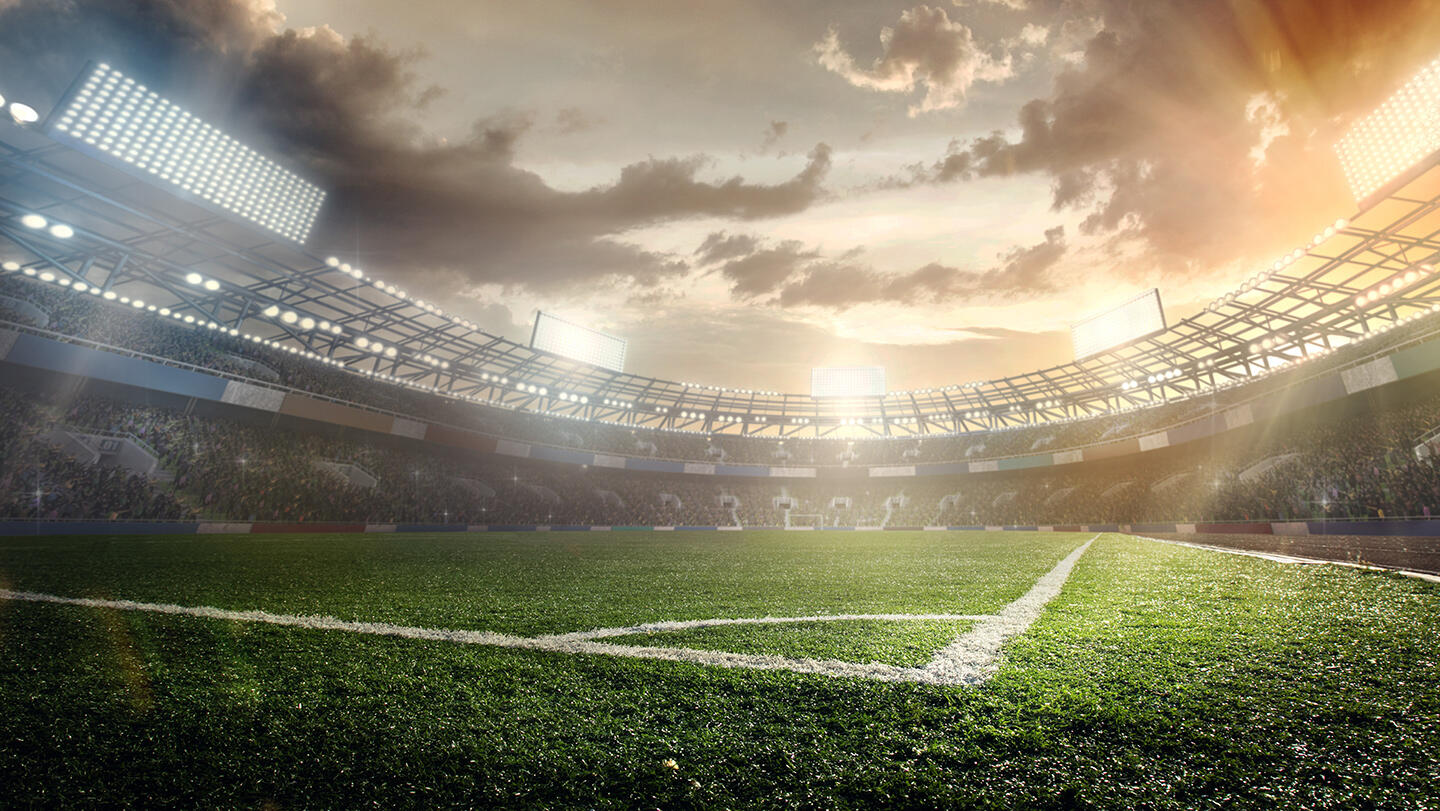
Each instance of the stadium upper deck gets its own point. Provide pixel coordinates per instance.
(76, 216)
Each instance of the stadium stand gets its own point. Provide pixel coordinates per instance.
(128, 330)
(1349, 459)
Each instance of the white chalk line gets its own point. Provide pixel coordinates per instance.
(973, 657)
(1279, 558)
(686, 625)
(968, 660)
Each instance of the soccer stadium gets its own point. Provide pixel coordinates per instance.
(289, 519)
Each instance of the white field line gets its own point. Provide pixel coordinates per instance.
(969, 660)
(974, 656)
(685, 625)
(1279, 558)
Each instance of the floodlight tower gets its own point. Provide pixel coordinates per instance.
(1391, 144)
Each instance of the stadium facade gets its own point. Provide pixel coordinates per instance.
(164, 285)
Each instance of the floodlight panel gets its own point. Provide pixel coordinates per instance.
(1401, 132)
(561, 337)
(847, 381)
(127, 124)
(1129, 321)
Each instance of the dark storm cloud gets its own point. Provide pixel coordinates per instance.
(1154, 133)
(763, 271)
(1022, 272)
(340, 107)
(789, 274)
(720, 246)
(661, 189)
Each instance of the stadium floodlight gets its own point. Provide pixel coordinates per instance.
(558, 336)
(271, 311)
(847, 381)
(23, 113)
(212, 285)
(1129, 321)
(110, 115)
(194, 278)
(11, 266)
(289, 317)
(1402, 131)
(34, 221)
(61, 231)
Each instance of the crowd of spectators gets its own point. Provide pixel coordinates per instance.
(39, 481)
(1321, 464)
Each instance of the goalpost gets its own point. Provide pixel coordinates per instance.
(804, 520)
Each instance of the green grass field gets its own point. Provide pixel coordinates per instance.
(1159, 677)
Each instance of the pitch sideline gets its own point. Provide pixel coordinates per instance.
(1280, 557)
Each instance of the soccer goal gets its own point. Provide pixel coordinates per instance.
(804, 520)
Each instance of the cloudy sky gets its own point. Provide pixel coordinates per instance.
(747, 188)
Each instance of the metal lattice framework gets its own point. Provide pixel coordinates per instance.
(139, 242)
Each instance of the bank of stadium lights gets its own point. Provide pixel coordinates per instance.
(136, 127)
(196, 280)
(495, 379)
(1264, 354)
(83, 287)
(304, 322)
(728, 390)
(37, 222)
(1394, 284)
(1278, 265)
(974, 384)
(391, 290)
(1400, 132)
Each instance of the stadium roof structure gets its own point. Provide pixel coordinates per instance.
(73, 215)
